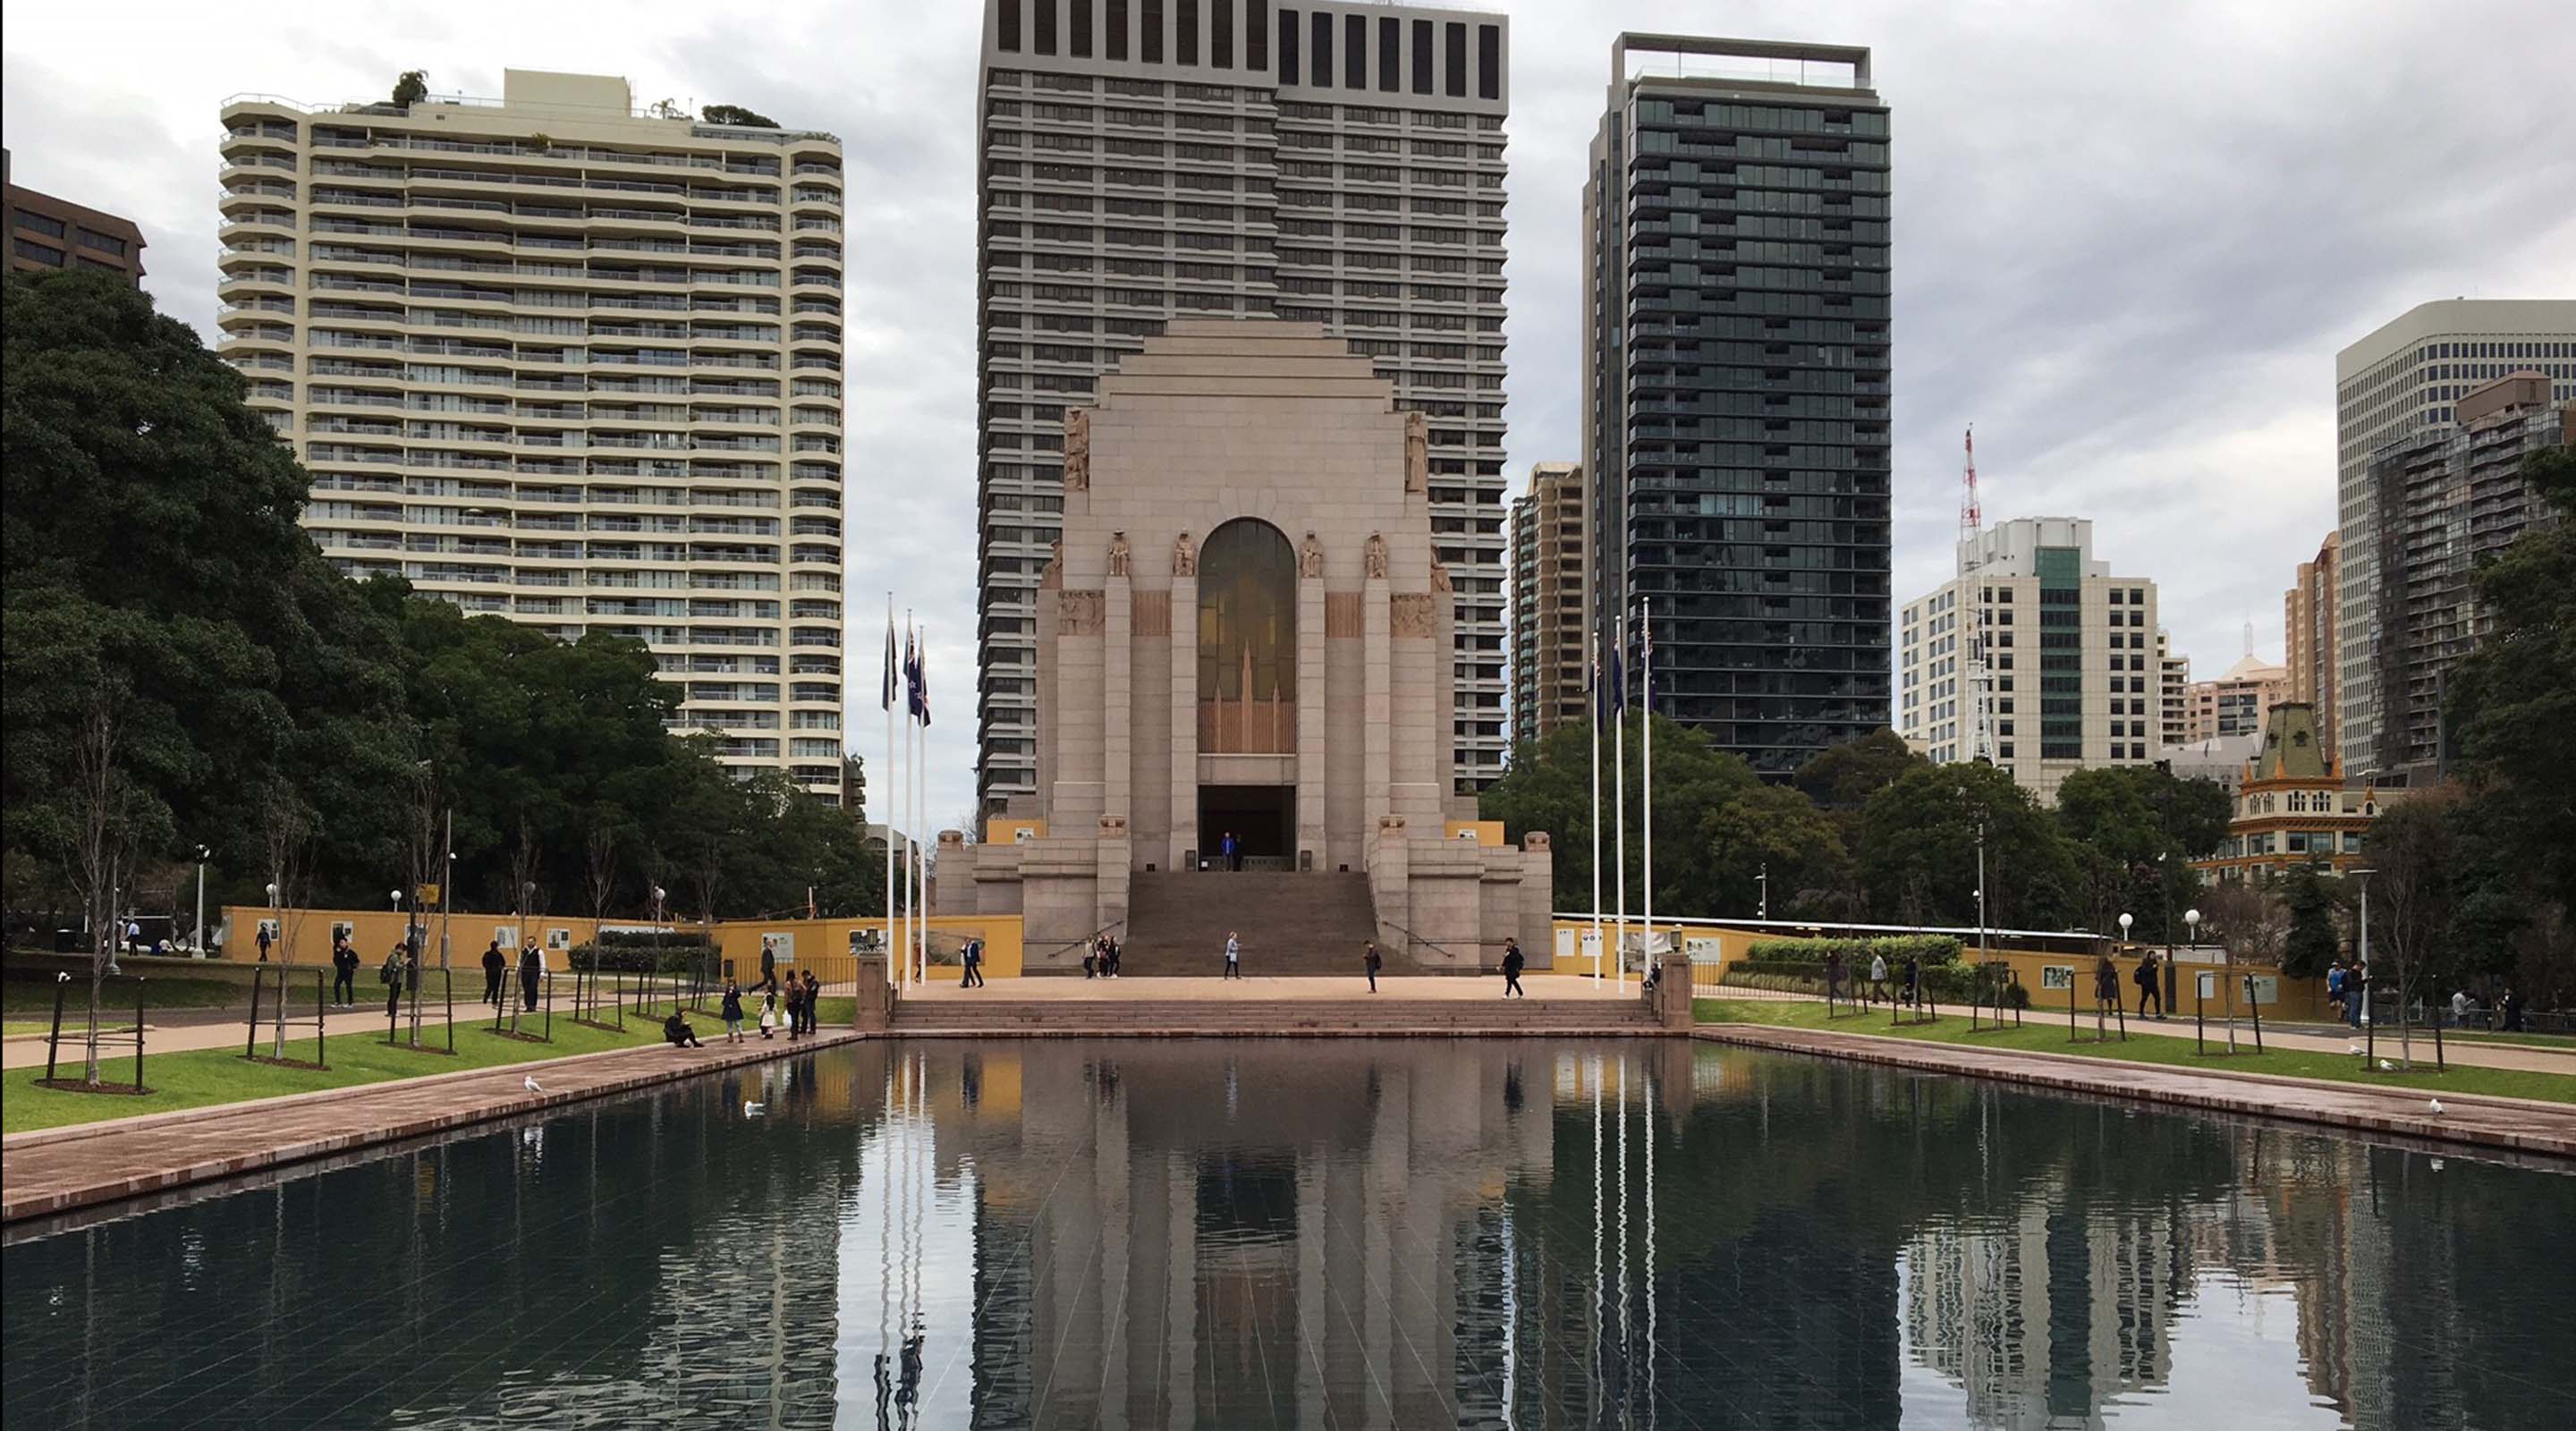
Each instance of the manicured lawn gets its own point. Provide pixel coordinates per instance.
(22, 994)
(358, 1055)
(2038, 1035)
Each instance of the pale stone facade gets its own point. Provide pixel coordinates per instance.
(1249, 476)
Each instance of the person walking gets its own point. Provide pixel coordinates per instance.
(1914, 980)
(2334, 987)
(493, 965)
(344, 972)
(731, 1011)
(2356, 993)
(2106, 983)
(1233, 956)
(973, 958)
(1095, 951)
(1877, 991)
(1371, 961)
(1833, 976)
(2510, 1006)
(392, 975)
(1112, 952)
(1513, 963)
(2150, 985)
(531, 965)
(264, 939)
(769, 965)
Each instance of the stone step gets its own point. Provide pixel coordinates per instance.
(1287, 922)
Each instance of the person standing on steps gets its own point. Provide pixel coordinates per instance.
(1233, 956)
(1232, 851)
(493, 964)
(1513, 963)
(1372, 961)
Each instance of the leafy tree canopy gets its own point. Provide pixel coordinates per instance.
(736, 115)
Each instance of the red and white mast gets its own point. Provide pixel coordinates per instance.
(1976, 688)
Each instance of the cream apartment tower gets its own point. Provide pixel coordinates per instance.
(1146, 160)
(557, 359)
(1551, 605)
(2072, 651)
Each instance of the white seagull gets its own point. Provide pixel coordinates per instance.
(530, 1083)
(2437, 1108)
(753, 1110)
(2386, 1067)
(2354, 1049)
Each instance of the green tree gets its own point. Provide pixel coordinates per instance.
(411, 88)
(736, 115)
(1843, 777)
(2312, 942)
(1916, 855)
(2134, 831)
(2511, 703)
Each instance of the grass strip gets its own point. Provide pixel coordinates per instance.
(2038, 1035)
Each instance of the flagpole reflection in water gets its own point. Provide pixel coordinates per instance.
(1624, 1328)
(1593, 1372)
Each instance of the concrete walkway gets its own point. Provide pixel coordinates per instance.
(57, 1170)
(2467, 1055)
(2523, 1125)
(175, 1035)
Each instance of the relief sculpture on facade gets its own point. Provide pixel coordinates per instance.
(1411, 614)
(1080, 613)
(1373, 557)
(1440, 578)
(1310, 558)
(1185, 556)
(1417, 453)
(1119, 557)
(1077, 450)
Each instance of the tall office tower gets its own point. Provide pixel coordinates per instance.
(2308, 619)
(2405, 377)
(1548, 604)
(2172, 704)
(1735, 385)
(2448, 498)
(46, 233)
(1149, 159)
(2066, 651)
(558, 360)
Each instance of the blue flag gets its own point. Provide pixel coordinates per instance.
(916, 685)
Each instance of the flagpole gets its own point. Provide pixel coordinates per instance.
(903, 799)
(920, 807)
(1600, 700)
(1646, 614)
(1619, 797)
(885, 782)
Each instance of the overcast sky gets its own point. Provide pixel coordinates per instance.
(2129, 237)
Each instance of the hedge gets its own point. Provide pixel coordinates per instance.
(1948, 984)
(1932, 949)
(695, 957)
(653, 939)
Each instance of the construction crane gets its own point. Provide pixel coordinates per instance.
(1975, 686)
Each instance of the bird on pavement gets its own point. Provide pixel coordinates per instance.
(2353, 1048)
(530, 1083)
(2437, 1107)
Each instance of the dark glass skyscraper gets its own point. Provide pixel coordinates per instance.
(1736, 378)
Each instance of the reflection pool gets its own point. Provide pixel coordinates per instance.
(1340, 1233)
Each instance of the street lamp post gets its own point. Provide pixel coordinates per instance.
(2191, 940)
(1763, 881)
(277, 916)
(2361, 949)
(197, 941)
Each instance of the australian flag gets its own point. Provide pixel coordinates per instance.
(885, 698)
(916, 679)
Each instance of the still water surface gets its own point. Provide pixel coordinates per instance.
(1352, 1234)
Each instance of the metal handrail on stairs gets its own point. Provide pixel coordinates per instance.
(1077, 943)
(1412, 938)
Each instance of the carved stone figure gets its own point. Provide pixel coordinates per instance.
(1373, 556)
(1440, 577)
(1052, 574)
(1310, 557)
(1185, 556)
(1118, 554)
(1417, 452)
(1077, 450)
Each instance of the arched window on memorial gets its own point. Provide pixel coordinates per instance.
(1247, 640)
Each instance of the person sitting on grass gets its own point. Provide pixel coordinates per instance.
(677, 1030)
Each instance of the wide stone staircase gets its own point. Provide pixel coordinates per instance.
(1287, 923)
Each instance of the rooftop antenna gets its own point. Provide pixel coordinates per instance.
(1979, 706)
(2249, 639)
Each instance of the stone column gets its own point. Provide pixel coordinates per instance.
(1310, 715)
(1377, 702)
(1185, 715)
(1117, 688)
